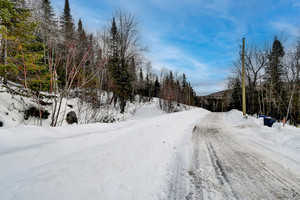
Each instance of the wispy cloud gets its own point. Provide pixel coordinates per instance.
(205, 77)
(197, 37)
(208, 86)
(290, 29)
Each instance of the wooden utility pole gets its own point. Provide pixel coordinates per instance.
(244, 89)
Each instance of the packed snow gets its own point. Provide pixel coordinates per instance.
(131, 159)
(281, 143)
(125, 160)
(226, 162)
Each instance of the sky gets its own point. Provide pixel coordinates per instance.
(200, 38)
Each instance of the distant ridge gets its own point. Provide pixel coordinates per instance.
(217, 95)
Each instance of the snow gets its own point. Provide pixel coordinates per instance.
(147, 112)
(134, 158)
(125, 160)
(12, 107)
(280, 143)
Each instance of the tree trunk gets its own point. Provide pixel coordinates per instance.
(5, 62)
(122, 105)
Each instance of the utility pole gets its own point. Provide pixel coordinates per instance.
(244, 89)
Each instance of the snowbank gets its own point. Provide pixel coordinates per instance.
(235, 118)
(14, 101)
(126, 160)
(282, 143)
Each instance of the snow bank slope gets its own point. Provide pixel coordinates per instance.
(126, 160)
(14, 102)
(277, 142)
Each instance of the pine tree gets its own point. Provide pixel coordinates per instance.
(68, 37)
(121, 79)
(236, 96)
(67, 23)
(274, 70)
(81, 35)
(184, 89)
(118, 68)
(114, 39)
(274, 79)
(141, 79)
(48, 21)
(156, 87)
(171, 95)
(47, 29)
(81, 40)
(132, 72)
(148, 86)
(23, 51)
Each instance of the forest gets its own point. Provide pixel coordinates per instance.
(272, 82)
(46, 52)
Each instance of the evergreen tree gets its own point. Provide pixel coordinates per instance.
(236, 96)
(23, 51)
(184, 89)
(141, 84)
(81, 35)
(148, 87)
(132, 72)
(67, 23)
(114, 39)
(82, 49)
(47, 29)
(82, 41)
(48, 21)
(118, 68)
(68, 35)
(274, 79)
(190, 90)
(156, 87)
(274, 70)
(141, 80)
(121, 79)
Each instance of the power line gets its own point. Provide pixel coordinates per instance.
(250, 21)
(252, 16)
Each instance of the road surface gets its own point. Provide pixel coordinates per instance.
(221, 167)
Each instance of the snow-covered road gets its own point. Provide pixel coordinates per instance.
(223, 166)
(124, 160)
(193, 154)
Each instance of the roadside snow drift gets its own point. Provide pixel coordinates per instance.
(14, 103)
(126, 160)
(281, 143)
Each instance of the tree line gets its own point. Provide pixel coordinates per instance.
(47, 53)
(273, 81)
(272, 77)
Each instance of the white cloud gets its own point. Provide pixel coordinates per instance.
(170, 56)
(207, 87)
(290, 29)
(204, 78)
(172, 24)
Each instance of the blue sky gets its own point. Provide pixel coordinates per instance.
(200, 38)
